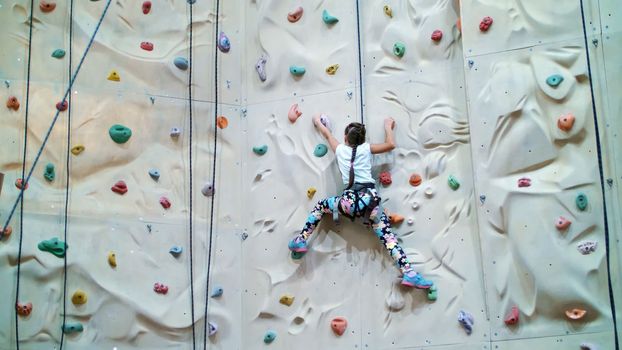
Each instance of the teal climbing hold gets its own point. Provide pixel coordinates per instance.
(554, 80)
(260, 150)
(53, 246)
(119, 133)
(297, 255)
(175, 250)
(297, 70)
(432, 293)
(453, 182)
(328, 18)
(58, 53)
(49, 173)
(399, 49)
(269, 337)
(217, 292)
(154, 173)
(72, 327)
(320, 150)
(181, 63)
(581, 201)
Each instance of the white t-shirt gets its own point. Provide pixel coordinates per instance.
(362, 163)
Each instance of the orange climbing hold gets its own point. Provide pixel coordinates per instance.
(575, 314)
(512, 317)
(562, 223)
(23, 309)
(222, 122)
(295, 15)
(46, 6)
(294, 113)
(415, 180)
(339, 325)
(12, 103)
(565, 122)
(396, 219)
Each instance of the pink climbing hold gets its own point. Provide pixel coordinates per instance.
(160, 288)
(339, 325)
(62, 106)
(165, 202)
(385, 178)
(147, 46)
(512, 317)
(295, 15)
(120, 187)
(562, 223)
(294, 113)
(23, 309)
(485, 24)
(146, 7)
(524, 182)
(437, 35)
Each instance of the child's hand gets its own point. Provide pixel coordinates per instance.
(317, 122)
(389, 123)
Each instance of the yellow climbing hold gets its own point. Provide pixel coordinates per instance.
(79, 297)
(112, 259)
(77, 149)
(388, 11)
(332, 69)
(311, 192)
(114, 76)
(287, 299)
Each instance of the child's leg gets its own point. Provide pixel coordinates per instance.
(382, 227)
(324, 206)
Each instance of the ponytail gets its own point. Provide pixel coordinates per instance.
(351, 181)
(355, 134)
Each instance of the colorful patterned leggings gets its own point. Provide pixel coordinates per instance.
(380, 225)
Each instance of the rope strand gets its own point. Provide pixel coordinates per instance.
(190, 189)
(358, 34)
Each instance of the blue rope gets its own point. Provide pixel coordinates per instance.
(47, 135)
(358, 35)
(191, 192)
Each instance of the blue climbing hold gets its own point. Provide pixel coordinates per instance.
(72, 327)
(320, 150)
(297, 70)
(181, 63)
(154, 173)
(554, 80)
(217, 292)
(269, 337)
(328, 18)
(175, 250)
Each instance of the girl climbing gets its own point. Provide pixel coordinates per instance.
(360, 198)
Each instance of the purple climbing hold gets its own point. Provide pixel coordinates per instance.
(260, 66)
(466, 320)
(175, 132)
(325, 121)
(213, 328)
(223, 42)
(208, 190)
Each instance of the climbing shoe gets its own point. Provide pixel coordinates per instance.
(414, 279)
(298, 244)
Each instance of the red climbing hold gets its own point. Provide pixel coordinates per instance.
(146, 7)
(46, 6)
(120, 187)
(147, 46)
(19, 184)
(23, 309)
(165, 202)
(62, 106)
(12, 103)
(437, 35)
(512, 317)
(524, 182)
(485, 24)
(385, 178)
(415, 180)
(339, 325)
(160, 288)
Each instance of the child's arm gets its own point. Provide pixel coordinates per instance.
(389, 143)
(332, 141)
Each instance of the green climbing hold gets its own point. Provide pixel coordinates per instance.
(53, 246)
(453, 182)
(72, 327)
(119, 133)
(58, 53)
(329, 19)
(399, 49)
(49, 173)
(269, 337)
(432, 293)
(297, 255)
(297, 70)
(320, 150)
(260, 150)
(581, 201)
(554, 80)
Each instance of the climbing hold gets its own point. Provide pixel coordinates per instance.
(387, 10)
(329, 19)
(23, 309)
(175, 132)
(482, 198)
(311, 192)
(297, 70)
(49, 173)
(146, 7)
(512, 317)
(47, 6)
(191, 2)
(524, 182)
(396, 219)
(294, 113)
(297, 255)
(410, 221)
(332, 69)
(320, 150)
(269, 336)
(58, 53)
(175, 250)
(119, 133)
(181, 63)
(62, 106)
(154, 173)
(72, 327)
(19, 184)
(260, 66)
(562, 223)
(587, 247)
(399, 49)
(222, 122)
(453, 182)
(260, 150)
(7, 232)
(213, 328)
(471, 63)
(295, 15)
(217, 291)
(147, 46)
(165, 203)
(581, 201)
(565, 122)
(588, 346)
(12, 103)
(112, 259)
(415, 180)
(325, 121)
(160, 288)
(53, 246)
(287, 299)
(466, 320)
(459, 24)
(385, 178)
(77, 149)
(432, 293)
(429, 192)
(120, 187)
(114, 76)
(208, 190)
(485, 24)
(437, 35)
(339, 325)
(224, 45)
(554, 80)
(79, 297)
(575, 314)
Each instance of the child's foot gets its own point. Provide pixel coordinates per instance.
(298, 244)
(414, 279)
